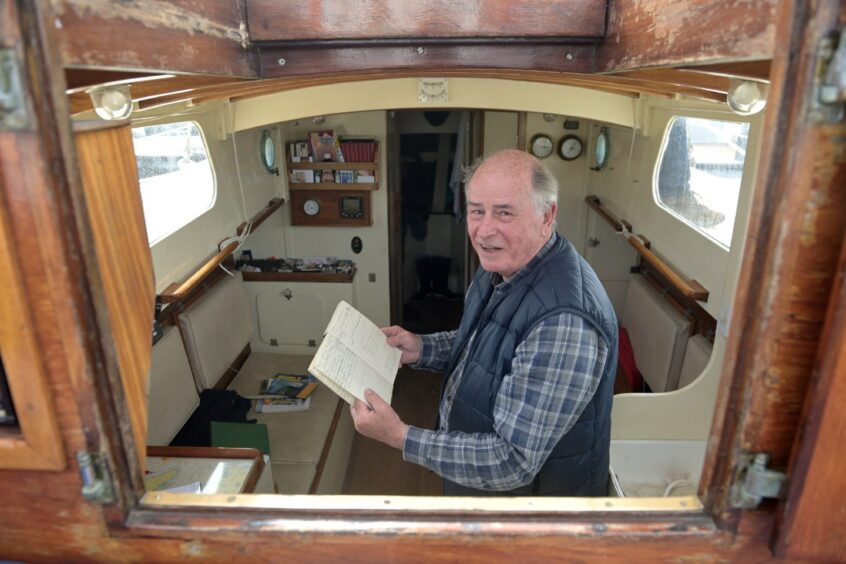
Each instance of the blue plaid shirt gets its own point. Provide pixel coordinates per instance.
(554, 374)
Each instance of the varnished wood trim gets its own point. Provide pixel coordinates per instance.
(233, 370)
(178, 291)
(145, 86)
(203, 452)
(38, 444)
(271, 20)
(259, 218)
(333, 166)
(333, 277)
(113, 202)
(690, 289)
(334, 186)
(482, 508)
(327, 445)
(753, 70)
(596, 205)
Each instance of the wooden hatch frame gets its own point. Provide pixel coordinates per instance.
(768, 370)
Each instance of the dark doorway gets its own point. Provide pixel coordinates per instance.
(432, 233)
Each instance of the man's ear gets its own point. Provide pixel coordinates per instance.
(549, 214)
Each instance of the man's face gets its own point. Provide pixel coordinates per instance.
(503, 223)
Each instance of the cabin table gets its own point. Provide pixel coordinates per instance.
(207, 470)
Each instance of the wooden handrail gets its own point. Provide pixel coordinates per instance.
(693, 289)
(618, 224)
(259, 218)
(176, 291)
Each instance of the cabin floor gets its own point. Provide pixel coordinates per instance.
(377, 469)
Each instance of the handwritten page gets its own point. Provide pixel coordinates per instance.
(354, 356)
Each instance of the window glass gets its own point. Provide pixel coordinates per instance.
(699, 173)
(177, 182)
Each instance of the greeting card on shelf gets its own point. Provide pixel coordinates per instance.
(325, 146)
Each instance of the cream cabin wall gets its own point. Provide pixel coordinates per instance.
(626, 187)
(178, 255)
(278, 237)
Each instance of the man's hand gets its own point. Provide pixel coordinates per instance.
(410, 344)
(378, 421)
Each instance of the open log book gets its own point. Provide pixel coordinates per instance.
(354, 356)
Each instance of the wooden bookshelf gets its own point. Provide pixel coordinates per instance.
(335, 277)
(336, 166)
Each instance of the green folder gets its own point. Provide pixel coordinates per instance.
(243, 435)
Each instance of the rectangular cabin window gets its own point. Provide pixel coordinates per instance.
(176, 177)
(699, 173)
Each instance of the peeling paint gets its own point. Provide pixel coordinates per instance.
(153, 14)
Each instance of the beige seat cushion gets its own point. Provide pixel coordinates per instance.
(696, 357)
(658, 333)
(216, 328)
(172, 393)
(297, 439)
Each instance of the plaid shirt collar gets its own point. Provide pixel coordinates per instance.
(502, 284)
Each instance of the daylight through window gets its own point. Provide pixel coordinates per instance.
(699, 173)
(177, 182)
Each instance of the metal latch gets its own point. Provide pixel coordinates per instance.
(829, 99)
(13, 104)
(96, 480)
(754, 482)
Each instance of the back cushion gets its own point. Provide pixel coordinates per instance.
(216, 328)
(172, 395)
(696, 357)
(658, 333)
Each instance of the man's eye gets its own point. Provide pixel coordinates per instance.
(504, 213)
(476, 212)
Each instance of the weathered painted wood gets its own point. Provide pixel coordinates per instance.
(814, 520)
(667, 33)
(790, 260)
(503, 55)
(321, 20)
(162, 35)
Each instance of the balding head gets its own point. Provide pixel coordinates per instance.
(520, 169)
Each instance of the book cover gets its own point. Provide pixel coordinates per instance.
(246, 435)
(291, 387)
(281, 405)
(354, 356)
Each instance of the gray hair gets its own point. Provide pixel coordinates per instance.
(544, 184)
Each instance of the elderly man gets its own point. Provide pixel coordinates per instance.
(525, 409)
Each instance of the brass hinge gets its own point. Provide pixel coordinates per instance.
(829, 96)
(96, 479)
(753, 482)
(14, 108)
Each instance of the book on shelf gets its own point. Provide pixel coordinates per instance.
(281, 405)
(354, 355)
(325, 146)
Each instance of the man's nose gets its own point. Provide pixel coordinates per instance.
(487, 226)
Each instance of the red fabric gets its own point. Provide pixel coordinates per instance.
(627, 362)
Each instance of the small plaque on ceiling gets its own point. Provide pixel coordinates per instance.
(432, 90)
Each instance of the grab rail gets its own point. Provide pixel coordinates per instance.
(176, 291)
(690, 289)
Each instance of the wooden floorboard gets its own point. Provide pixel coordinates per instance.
(377, 469)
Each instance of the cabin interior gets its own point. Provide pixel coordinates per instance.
(213, 215)
(655, 194)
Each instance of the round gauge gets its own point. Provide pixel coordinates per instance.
(311, 207)
(570, 147)
(268, 151)
(541, 146)
(601, 149)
